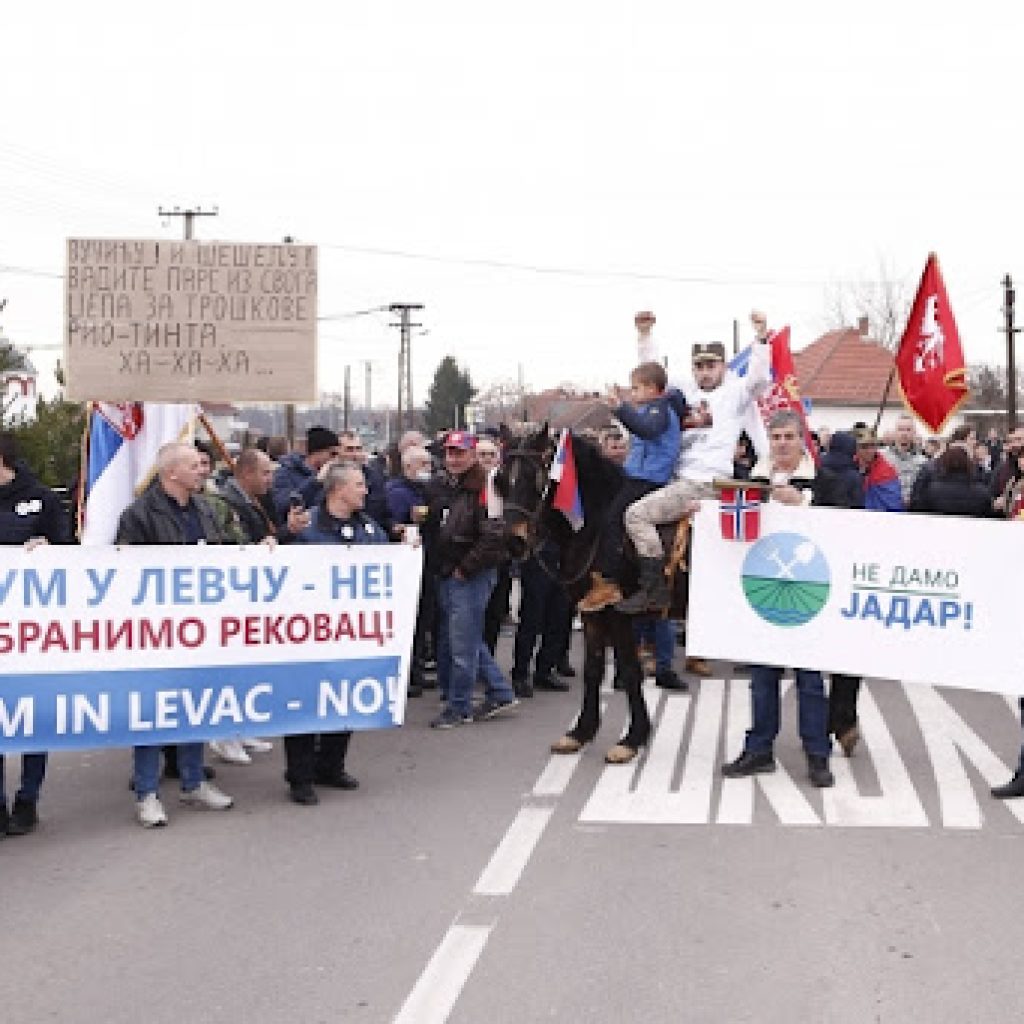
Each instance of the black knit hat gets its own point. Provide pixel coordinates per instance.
(319, 439)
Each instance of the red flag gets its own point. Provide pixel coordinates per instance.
(930, 361)
(740, 513)
(784, 391)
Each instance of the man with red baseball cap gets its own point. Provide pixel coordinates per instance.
(469, 547)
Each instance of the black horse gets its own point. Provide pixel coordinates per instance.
(529, 517)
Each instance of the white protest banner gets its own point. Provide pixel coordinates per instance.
(165, 321)
(149, 645)
(916, 598)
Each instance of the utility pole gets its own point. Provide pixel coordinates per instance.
(735, 337)
(366, 386)
(404, 311)
(188, 216)
(1011, 371)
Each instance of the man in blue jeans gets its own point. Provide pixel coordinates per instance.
(791, 472)
(469, 548)
(172, 511)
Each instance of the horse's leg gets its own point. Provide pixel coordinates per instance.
(630, 679)
(589, 719)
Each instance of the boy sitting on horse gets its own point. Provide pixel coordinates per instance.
(653, 421)
(705, 453)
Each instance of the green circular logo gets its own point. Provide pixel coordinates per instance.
(786, 579)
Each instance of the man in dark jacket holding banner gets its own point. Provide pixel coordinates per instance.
(30, 515)
(338, 518)
(172, 512)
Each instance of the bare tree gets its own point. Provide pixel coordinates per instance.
(885, 301)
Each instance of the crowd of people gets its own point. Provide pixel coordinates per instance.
(442, 494)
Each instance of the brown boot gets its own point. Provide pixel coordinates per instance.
(602, 593)
(698, 667)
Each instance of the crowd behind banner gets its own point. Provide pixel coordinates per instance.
(440, 493)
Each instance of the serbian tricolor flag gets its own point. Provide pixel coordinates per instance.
(930, 361)
(740, 513)
(782, 393)
(119, 459)
(567, 498)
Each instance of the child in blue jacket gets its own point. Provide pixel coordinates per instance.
(653, 420)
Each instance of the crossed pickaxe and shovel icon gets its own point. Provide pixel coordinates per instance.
(803, 554)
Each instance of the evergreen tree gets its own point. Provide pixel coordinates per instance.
(450, 393)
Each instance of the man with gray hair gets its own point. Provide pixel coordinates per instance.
(906, 456)
(171, 511)
(789, 472)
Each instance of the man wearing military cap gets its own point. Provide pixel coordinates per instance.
(720, 402)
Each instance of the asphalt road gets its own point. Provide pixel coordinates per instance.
(474, 878)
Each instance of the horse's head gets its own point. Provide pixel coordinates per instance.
(521, 482)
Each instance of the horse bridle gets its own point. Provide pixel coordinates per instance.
(542, 466)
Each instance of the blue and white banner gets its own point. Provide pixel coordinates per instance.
(928, 599)
(152, 645)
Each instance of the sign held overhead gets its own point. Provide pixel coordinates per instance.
(167, 321)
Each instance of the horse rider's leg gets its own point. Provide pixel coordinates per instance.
(630, 678)
(664, 505)
(589, 720)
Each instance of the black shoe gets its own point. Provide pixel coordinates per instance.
(415, 690)
(304, 794)
(563, 668)
(5, 820)
(1011, 789)
(749, 763)
(818, 772)
(491, 708)
(337, 780)
(521, 687)
(23, 818)
(667, 679)
(548, 682)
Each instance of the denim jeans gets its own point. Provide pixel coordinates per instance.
(33, 768)
(662, 633)
(812, 704)
(147, 768)
(462, 656)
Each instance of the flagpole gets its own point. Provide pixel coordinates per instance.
(885, 397)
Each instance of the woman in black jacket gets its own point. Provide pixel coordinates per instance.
(955, 488)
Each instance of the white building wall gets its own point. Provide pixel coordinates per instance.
(842, 417)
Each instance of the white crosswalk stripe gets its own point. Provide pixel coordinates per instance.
(678, 782)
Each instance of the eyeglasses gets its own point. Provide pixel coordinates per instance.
(705, 364)
(351, 447)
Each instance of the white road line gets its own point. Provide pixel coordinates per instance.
(702, 757)
(442, 980)
(556, 775)
(946, 737)
(898, 805)
(736, 804)
(509, 859)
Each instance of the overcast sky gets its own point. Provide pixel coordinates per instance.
(694, 159)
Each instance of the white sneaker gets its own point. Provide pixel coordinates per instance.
(207, 796)
(230, 751)
(150, 811)
(258, 746)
